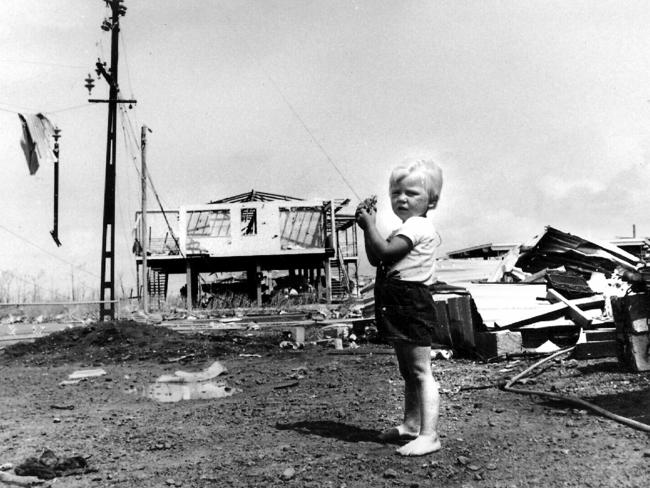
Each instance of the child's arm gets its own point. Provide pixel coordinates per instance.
(374, 260)
(377, 248)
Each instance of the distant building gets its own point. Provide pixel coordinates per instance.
(255, 233)
(483, 251)
(633, 245)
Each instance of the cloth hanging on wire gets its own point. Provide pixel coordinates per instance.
(37, 142)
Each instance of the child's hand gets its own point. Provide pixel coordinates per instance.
(366, 212)
(365, 218)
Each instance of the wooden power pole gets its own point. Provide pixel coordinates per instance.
(107, 300)
(144, 233)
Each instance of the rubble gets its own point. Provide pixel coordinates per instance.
(554, 249)
(554, 291)
(551, 291)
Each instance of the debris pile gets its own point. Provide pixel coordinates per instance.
(556, 249)
(555, 291)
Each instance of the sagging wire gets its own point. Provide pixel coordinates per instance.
(44, 112)
(75, 266)
(169, 227)
(44, 63)
(18, 110)
(320, 146)
(569, 399)
(150, 183)
(125, 235)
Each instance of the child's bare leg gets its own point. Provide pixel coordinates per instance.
(427, 440)
(410, 427)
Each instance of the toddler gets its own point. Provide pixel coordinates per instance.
(404, 309)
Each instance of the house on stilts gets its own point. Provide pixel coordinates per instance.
(256, 234)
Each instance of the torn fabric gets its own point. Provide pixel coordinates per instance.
(37, 142)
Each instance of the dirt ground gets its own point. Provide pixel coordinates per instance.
(308, 418)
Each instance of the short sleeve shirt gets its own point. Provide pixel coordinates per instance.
(419, 264)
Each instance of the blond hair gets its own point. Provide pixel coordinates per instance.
(431, 176)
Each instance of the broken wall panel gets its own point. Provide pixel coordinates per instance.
(556, 248)
(506, 302)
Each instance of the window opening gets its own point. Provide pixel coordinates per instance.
(248, 221)
(208, 223)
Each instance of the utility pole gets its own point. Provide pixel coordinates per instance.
(144, 233)
(107, 304)
(55, 229)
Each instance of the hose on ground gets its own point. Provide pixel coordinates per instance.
(570, 399)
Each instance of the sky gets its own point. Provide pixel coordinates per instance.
(538, 113)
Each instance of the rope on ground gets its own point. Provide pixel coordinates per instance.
(570, 399)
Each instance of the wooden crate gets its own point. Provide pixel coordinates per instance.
(456, 327)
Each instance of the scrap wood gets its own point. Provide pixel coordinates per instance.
(574, 311)
(570, 399)
(535, 277)
(554, 311)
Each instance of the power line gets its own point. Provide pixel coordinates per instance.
(33, 111)
(150, 183)
(292, 108)
(47, 252)
(74, 107)
(20, 109)
(45, 63)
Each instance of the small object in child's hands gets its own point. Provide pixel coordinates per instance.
(369, 204)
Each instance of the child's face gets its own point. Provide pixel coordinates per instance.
(409, 197)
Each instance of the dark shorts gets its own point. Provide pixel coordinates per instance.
(404, 312)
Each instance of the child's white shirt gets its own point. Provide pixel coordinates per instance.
(419, 264)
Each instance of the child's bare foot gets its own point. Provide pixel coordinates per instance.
(398, 433)
(421, 445)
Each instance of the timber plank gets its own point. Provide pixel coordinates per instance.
(455, 322)
(554, 311)
(574, 311)
(442, 333)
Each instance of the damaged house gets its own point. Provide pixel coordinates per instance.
(255, 233)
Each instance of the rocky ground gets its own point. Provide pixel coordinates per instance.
(307, 418)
